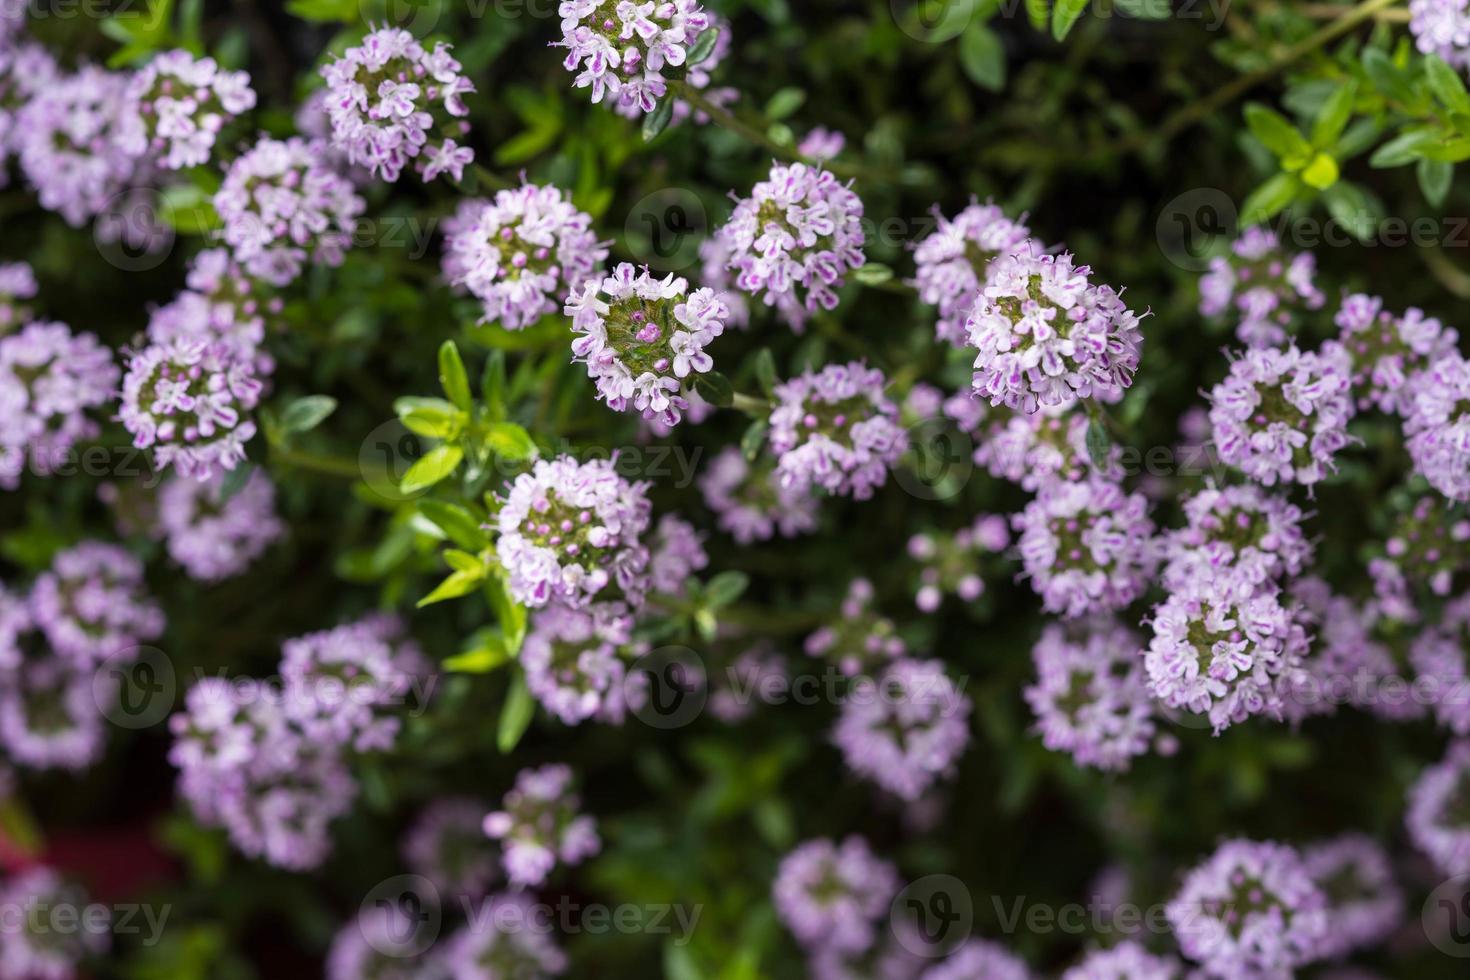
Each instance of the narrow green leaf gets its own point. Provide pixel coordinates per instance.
(1447, 85)
(765, 370)
(456, 585)
(983, 56)
(305, 414)
(235, 480)
(432, 467)
(1064, 15)
(1038, 12)
(1387, 77)
(1269, 199)
(1276, 132)
(1321, 173)
(492, 385)
(486, 653)
(704, 46)
(1404, 148)
(872, 273)
(658, 120)
(1435, 177)
(515, 715)
(434, 423)
(754, 438)
(1354, 208)
(715, 388)
(784, 103)
(725, 588)
(1098, 443)
(457, 523)
(511, 442)
(511, 615)
(453, 378)
(1334, 115)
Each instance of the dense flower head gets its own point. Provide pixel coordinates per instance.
(836, 429)
(1047, 334)
(1282, 414)
(622, 49)
(282, 204)
(793, 240)
(676, 553)
(906, 729)
(72, 136)
(642, 337)
(509, 941)
(1090, 697)
(1223, 649)
(33, 943)
(950, 563)
(182, 103)
(446, 844)
(571, 532)
(25, 69)
(1442, 27)
(246, 767)
(860, 639)
(189, 401)
(1437, 424)
(699, 77)
(1087, 546)
(1387, 351)
(1126, 961)
(1438, 811)
(1240, 530)
(1250, 910)
(1429, 543)
(750, 501)
(1265, 286)
(391, 102)
(714, 272)
(572, 662)
(378, 942)
(214, 536)
(953, 262)
(49, 379)
(1364, 905)
(93, 603)
(539, 825)
(831, 896)
(1438, 655)
(1039, 448)
(17, 284)
(979, 958)
(223, 303)
(49, 717)
(522, 253)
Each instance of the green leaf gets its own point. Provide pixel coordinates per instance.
(409, 404)
(1064, 15)
(511, 615)
(715, 388)
(305, 414)
(459, 583)
(457, 523)
(188, 209)
(492, 384)
(511, 442)
(1387, 77)
(765, 370)
(1404, 148)
(515, 715)
(432, 467)
(983, 56)
(658, 120)
(1098, 443)
(1447, 85)
(1435, 177)
(784, 103)
(342, 11)
(725, 588)
(1269, 199)
(753, 438)
(1321, 173)
(453, 378)
(1277, 133)
(1334, 115)
(234, 481)
(1354, 208)
(1038, 12)
(487, 652)
(872, 273)
(435, 423)
(703, 47)
(1145, 9)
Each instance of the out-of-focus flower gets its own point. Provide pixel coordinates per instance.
(1442, 27)
(836, 429)
(906, 729)
(1047, 334)
(950, 563)
(746, 682)
(214, 537)
(860, 640)
(189, 401)
(572, 663)
(1126, 961)
(953, 262)
(17, 284)
(1282, 415)
(794, 239)
(573, 532)
(1242, 531)
(1387, 351)
(642, 337)
(391, 102)
(447, 845)
(979, 958)
(93, 604)
(34, 944)
(677, 552)
(1437, 425)
(521, 254)
(750, 501)
(510, 940)
(1437, 816)
(539, 825)
(1268, 288)
(831, 896)
(822, 144)
(49, 715)
(1364, 905)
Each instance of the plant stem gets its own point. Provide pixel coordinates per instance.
(756, 407)
(328, 465)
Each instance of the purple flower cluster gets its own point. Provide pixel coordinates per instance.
(25, 69)
(836, 429)
(1047, 334)
(1038, 449)
(222, 304)
(832, 896)
(182, 103)
(572, 662)
(1364, 905)
(677, 552)
(516, 946)
(446, 845)
(1125, 961)
(522, 253)
(33, 943)
(92, 604)
(905, 729)
(392, 102)
(189, 401)
(1438, 812)
(1240, 532)
(1437, 426)
(1268, 288)
(979, 958)
(622, 49)
(17, 284)
(1442, 27)
(1090, 698)
(750, 501)
(951, 563)
(1251, 909)
(539, 826)
(282, 204)
(861, 640)
(642, 337)
(953, 263)
(214, 536)
(1087, 546)
(573, 532)
(1388, 351)
(1438, 657)
(793, 240)
(1282, 414)
(49, 379)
